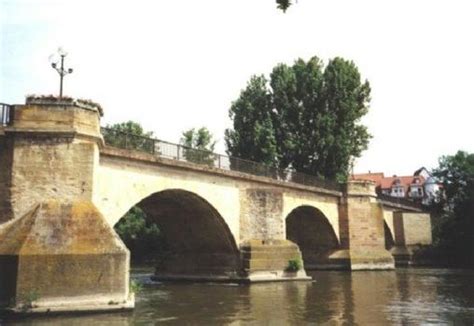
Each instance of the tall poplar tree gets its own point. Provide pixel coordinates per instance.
(311, 115)
(346, 101)
(253, 136)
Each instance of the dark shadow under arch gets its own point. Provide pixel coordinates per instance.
(311, 231)
(198, 240)
(389, 242)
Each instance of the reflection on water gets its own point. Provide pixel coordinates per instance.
(402, 297)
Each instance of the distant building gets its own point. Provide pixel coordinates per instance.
(421, 186)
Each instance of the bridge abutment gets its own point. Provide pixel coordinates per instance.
(361, 228)
(57, 252)
(412, 231)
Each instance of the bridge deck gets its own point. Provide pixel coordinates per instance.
(122, 144)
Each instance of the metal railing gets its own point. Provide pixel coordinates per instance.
(179, 152)
(399, 201)
(6, 114)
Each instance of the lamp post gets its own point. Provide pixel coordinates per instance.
(61, 71)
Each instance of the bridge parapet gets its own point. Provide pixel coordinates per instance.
(400, 203)
(183, 153)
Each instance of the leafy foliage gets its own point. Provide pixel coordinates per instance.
(129, 135)
(27, 301)
(199, 146)
(142, 238)
(135, 286)
(454, 213)
(294, 265)
(283, 4)
(306, 117)
(253, 137)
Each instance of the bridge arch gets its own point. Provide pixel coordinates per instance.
(312, 231)
(122, 182)
(198, 240)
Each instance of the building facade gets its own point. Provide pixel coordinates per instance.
(420, 187)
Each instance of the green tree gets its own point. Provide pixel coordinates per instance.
(253, 136)
(454, 215)
(311, 117)
(283, 4)
(199, 146)
(297, 102)
(346, 101)
(129, 135)
(142, 237)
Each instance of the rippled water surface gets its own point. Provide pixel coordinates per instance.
(401, 297)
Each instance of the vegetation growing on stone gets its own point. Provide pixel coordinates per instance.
(32, 98)
(27, 302)
(135, 286)
(294, 265)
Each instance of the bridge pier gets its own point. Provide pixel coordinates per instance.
(57, 251)
(361, 229)
(269, 260)
(266, 254)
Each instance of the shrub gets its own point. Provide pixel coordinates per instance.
(294, 265)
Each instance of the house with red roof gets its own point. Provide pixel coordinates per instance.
(420, 187)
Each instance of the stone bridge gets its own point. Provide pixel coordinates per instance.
(62, 190)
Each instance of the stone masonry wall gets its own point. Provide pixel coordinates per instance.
(51, 168)
(5, 179)
(261, 214)
(364, 226)
(365, 223)
(56, 118)
(412, 228)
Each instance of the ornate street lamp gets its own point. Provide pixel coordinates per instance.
(61, 54)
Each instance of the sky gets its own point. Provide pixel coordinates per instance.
(175, 65)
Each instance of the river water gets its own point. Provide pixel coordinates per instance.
(401, 297)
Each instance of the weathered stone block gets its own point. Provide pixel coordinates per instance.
(363, 234)
(49, 151)
(67, 256)
(57, 118)
(412, 228)
(267, 260)
(261, 214)
(412, 231)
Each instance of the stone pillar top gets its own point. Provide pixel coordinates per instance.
(360, 188)
(50, 100)
(51, 115)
